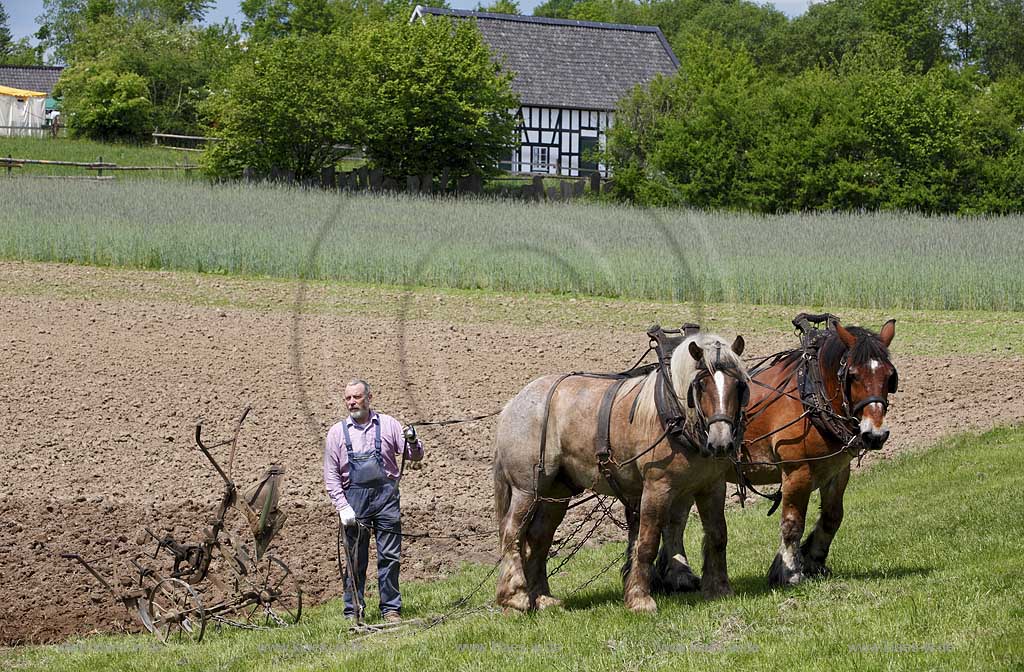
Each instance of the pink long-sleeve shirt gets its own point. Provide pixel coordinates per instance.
(392, 442)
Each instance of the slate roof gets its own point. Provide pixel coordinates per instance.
(575, 64)
(31, 77)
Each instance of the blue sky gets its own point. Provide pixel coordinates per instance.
(23, 13)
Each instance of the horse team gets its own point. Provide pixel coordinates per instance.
(663, 437)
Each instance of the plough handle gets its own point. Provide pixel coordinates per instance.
(233, 441)
(88, 568)
(206, 451)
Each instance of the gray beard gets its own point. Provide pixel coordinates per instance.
(360, 415)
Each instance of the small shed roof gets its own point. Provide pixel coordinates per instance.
(574, 64)
(30, 77)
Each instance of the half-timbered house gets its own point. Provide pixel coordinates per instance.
(569, 75)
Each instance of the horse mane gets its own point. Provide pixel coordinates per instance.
(683, 368)
(868, 347)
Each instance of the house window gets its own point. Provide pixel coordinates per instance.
(539, 159)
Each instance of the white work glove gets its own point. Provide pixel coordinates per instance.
(348, 516)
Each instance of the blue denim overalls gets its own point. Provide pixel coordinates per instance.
(374, 498)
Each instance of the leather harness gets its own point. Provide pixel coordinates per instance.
(670, 412)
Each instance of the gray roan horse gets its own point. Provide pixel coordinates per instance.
(563, 434)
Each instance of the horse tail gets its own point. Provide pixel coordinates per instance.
(502, 493)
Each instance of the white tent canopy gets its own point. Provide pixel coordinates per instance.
(22, 112)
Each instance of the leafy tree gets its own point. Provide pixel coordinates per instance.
(104, 104)
(998, 165)
(429, 96)
(739, 23)
(686, 141)
(285, 104)
(157, 42)
(176, 61)
(555, 9)
(271, 19)
(988, 34)
(13, 52)
(606, 11)
(915, 24)
(867, 133)
(822, 35)
(6, 39)
(62, 21)
(58, 25)
(500, 7)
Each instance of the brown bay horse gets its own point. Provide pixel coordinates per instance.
(547, 447)
(812, 410)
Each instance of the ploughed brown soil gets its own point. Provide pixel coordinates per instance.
(104, 374)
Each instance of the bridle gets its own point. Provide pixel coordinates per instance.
(737, 422)
(843, 375)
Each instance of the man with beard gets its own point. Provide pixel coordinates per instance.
(361, 472)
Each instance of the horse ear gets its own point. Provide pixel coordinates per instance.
(887, 333)
(695, 351)
(845, 336)
(738, 345)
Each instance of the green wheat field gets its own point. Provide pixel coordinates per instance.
(887, 260)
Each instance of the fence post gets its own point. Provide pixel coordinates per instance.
(9, 165)
(565, 188)
(99, 173)
(327, 177)
(376, 179)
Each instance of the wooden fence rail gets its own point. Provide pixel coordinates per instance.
(99, 166)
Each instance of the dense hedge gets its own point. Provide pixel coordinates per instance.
(869, 132)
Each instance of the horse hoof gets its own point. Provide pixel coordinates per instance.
(643, 605)
(817, 572)
(518, 602)
(680, 582)
(780, 576)
(786, 580)
(716, 592)
(547, 602)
